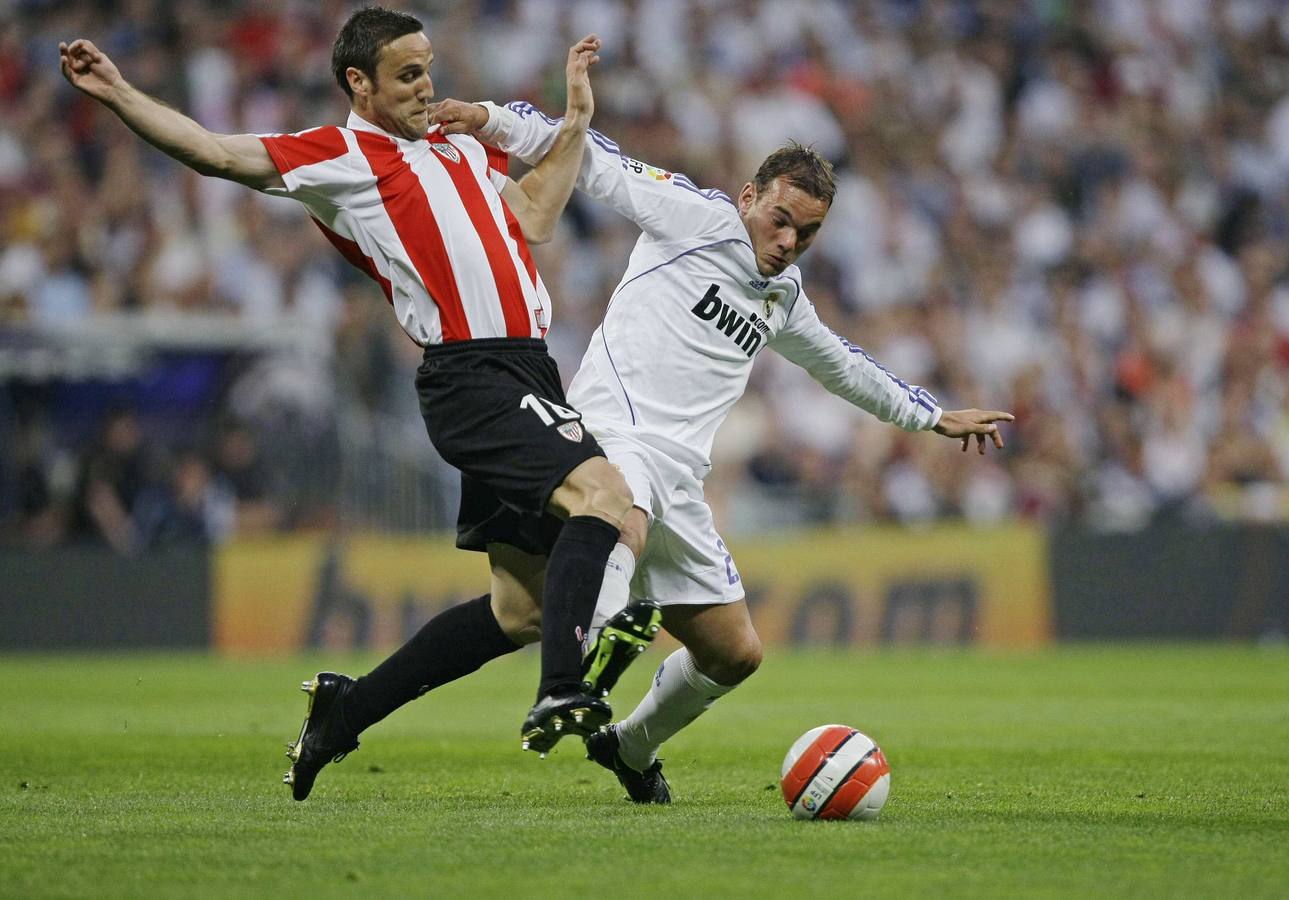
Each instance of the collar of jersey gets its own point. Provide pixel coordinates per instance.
(358, 123)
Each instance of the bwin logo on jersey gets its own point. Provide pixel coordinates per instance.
(744, 332)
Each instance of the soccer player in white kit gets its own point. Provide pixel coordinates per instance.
(710, 285)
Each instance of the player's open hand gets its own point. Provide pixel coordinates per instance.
(966, 423)
(457, 116)
(581, 103)
(89, 69)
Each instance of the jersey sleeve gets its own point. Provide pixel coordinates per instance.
(847, 371)
(664, 204)
(314, 165)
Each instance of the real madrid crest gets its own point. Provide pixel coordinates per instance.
(770, 299)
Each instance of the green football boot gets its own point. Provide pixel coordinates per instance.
(626, 635)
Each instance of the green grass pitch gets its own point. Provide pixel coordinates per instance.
(1110, 771)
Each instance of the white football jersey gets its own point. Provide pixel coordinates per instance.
(692, 312)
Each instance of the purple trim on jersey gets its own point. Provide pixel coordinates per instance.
(920, 396)
(797, 285)
(630, 408)
(605, 144)
(605, 340)
(676, 257)
(608, 145)
(707, 193)
(605, 141)
(523, 108)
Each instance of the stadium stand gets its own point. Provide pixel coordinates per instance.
(1078, 212)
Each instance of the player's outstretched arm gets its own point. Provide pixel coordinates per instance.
(539, 197)
(964, 423)
(240, 157)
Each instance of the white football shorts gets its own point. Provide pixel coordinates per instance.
(684, 561)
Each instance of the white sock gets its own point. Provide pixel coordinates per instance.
(615, 590)
(679, 695)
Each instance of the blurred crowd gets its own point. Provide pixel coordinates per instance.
(1076, 211)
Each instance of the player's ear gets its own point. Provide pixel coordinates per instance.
(746, 197)
(359, 82)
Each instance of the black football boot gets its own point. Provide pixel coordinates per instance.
(324, 737)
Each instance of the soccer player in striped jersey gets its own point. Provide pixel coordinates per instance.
(711, 284)
(435, 221)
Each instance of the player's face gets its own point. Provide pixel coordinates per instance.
(400, 97)
(782, 221)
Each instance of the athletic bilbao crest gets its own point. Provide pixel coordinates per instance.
(571, 430)
(447, 150)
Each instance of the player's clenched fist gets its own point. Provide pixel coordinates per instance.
(458, 117)
(89, 69)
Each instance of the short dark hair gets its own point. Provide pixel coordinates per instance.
(362, 38)
(803, 167)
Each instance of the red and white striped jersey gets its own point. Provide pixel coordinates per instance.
(425, 220)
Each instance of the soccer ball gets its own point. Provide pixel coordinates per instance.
(835, 772)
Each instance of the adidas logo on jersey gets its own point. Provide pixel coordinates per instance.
(746, 331)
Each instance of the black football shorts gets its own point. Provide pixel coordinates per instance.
(495, 409)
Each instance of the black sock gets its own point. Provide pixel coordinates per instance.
(573, 578)
(454, 643)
